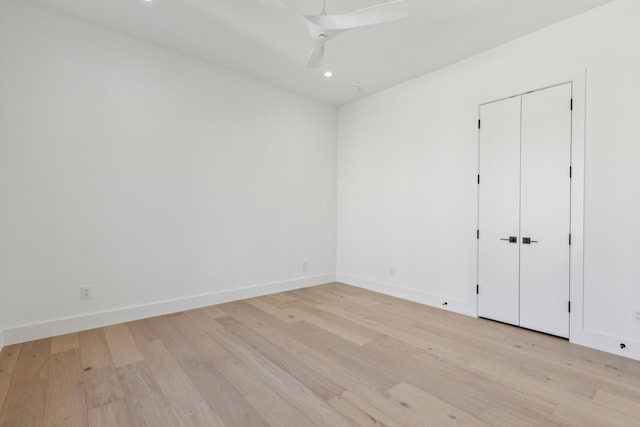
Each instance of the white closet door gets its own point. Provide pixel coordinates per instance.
(545, 210)
(498, 210)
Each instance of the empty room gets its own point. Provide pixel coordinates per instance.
(319, 213)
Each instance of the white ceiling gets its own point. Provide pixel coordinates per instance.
(272, 45)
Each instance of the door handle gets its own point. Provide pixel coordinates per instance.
(528, 241)
(511, 239)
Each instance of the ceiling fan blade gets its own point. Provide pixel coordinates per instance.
(317, 55)
(378, 14)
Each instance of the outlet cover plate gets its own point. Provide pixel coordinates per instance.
(85, 293)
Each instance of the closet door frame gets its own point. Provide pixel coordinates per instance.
(509, 89)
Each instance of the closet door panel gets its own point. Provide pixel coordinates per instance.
(545, 210)
(499, 168)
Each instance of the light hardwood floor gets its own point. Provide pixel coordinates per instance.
(331, 355)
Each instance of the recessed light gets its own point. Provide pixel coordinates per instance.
(328, 74)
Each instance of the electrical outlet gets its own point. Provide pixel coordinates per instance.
(85, 293)
(305, 265)
(392, 271)
(636, 315)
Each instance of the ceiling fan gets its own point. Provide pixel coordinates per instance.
(324, 27)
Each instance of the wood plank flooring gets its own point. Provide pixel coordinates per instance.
(331, 355)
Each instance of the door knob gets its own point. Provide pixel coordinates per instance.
(528, 241)
(511, 239)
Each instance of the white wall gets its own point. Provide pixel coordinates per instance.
(166, 183)
(162, 182)
(407, 197)
(1, 291)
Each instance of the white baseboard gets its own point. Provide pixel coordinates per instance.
(438, 301)
(1, 339)
(71, 324)
(607, 343)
